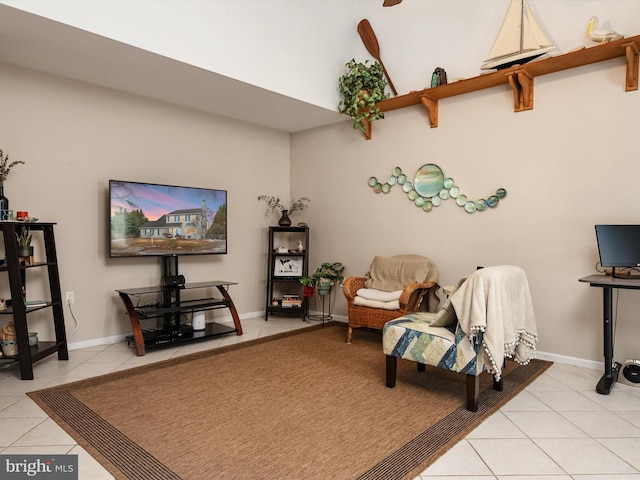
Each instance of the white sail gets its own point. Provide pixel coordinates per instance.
(520, 39)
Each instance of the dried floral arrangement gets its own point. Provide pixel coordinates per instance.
(274, 207)
(4, 168)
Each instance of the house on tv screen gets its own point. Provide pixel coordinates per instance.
(188, 223)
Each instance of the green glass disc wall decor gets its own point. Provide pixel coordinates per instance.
(430, 188)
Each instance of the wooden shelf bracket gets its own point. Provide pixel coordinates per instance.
(431, 105)
(367, 128)
(522, 85)
(631, 51)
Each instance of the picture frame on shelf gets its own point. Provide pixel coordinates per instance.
(287, 267)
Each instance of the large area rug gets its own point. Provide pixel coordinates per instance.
(302, 405)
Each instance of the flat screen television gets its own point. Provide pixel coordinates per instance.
(148, 219)
(619, 245)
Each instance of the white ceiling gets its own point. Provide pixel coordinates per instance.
(37, 43)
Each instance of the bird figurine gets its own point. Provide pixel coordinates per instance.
(602, 34)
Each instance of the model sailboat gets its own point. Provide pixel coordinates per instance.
(520, 39)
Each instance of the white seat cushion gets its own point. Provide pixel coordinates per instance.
(379, 295)
(394, 305)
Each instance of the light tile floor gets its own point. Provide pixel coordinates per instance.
(558, 428)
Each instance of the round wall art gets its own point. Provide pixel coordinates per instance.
(430, 188)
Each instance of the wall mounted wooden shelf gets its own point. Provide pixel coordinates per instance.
(520, 78)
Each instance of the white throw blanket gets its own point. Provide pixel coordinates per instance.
(365, 302)
(497, 301)
(372, 298)
(378, 295)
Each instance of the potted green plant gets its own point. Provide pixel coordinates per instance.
(24, 243)
(361, 87)
(327, 274)
(309, 286)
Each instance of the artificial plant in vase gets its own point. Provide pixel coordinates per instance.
(5, 168)
(361, 87)
(275, 207)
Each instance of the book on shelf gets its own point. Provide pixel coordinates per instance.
(290, 300)
(35, 303)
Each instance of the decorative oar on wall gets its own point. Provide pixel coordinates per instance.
(371, 43)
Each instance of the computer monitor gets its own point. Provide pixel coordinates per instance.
(619, 246)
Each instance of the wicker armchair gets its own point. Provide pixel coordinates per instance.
(360, 316)
(414, 275)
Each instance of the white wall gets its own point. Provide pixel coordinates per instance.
(289, 47)
(75, 137)
(299, 48)
(568, 164)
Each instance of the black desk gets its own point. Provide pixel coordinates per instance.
(608, 283)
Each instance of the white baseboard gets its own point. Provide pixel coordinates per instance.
(566, 360)
(96, 342)
(552, 357)
(121, 338)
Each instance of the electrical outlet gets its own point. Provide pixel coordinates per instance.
(70, 298)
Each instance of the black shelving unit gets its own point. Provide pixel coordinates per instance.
(284, 270)
(16, 268)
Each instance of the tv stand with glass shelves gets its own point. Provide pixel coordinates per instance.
(165, 305)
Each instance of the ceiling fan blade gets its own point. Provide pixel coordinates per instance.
(390, 3)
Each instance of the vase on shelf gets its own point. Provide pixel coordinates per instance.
(4, 205)
(324, 287)
(284, 221)
(25, 251)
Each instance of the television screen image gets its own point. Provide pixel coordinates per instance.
(148, 219)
